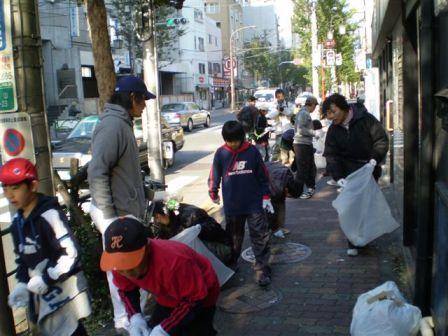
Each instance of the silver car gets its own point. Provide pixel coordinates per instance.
(186, 114)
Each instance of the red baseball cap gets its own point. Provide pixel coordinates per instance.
(16, 171)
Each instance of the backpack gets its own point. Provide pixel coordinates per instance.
(246, 117)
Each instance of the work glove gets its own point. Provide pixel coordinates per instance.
(267, 205)
(269, 129)
(373, 162)
(138, 326)
(342, 182)
(37, 285)
(217, 200)
(19, 297)
(158, 331)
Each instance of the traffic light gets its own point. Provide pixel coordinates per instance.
(173, 22)
(178, 4)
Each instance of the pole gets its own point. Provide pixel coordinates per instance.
(151, 114)
(6, 318)
(29, 83)
(232, 79)
(314, 48)
(322, 75)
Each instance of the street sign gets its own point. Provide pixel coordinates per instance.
(330, 44)
(8, 95)
(330, 58)
(338, 59)
(228, 65)
(16, 137)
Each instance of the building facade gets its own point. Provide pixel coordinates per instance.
(409, 46)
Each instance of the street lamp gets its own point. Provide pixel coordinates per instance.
(232, 80)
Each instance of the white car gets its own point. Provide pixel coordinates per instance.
(301, 99)
(265, 96)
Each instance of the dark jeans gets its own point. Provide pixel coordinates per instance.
(306, 168)
(80, 331)
(198, 322)
(259, 236)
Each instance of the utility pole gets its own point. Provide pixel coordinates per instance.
(314, 49)
(151, 116)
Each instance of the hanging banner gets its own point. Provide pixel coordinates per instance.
(8, 95)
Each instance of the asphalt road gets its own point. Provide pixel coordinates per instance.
(188, 177)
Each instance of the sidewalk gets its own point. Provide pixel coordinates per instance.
(318, 293)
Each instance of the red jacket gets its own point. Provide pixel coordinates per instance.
(177, 276)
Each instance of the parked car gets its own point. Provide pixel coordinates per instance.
(78, 145)
(173, 134)
(265, 96)
(61, 128)
(186, 114)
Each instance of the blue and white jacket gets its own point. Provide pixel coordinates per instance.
(245, 179)
(44, 244)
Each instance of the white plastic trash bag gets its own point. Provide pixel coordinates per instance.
(189, 237)
(384, 312)
(364, 214)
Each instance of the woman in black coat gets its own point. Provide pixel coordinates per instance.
(354, 138)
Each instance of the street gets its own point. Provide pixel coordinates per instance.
(188, 177)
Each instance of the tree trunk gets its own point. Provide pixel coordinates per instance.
(102, 54)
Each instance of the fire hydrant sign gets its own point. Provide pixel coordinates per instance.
(8, 96)
(16, 137)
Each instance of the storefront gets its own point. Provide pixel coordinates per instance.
(218, 92)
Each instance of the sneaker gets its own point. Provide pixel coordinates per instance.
(352, 252)
(332, 182)
(262, 278)
(279, 234)
(305, 195)
(311, 191)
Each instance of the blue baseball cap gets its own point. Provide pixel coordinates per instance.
(133, 84)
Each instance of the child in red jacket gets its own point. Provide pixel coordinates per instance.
(184, 282)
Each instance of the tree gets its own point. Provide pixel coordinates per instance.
(102, 55)
(263, 62)
(330, 15)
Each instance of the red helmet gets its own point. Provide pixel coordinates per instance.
(16, 171)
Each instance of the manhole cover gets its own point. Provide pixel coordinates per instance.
(248, 299)
(284, 253)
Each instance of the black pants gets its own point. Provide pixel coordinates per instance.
(306, 168)
(80, 331)
(259, 236)
(277, 219)
(198, 322)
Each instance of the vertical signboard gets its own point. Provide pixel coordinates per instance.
(16, 137)
(8, 96)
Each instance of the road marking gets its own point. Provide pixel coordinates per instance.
(180, 182)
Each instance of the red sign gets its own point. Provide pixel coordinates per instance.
(220, 82)
(330, 44)
(201, 79)
(13, 142)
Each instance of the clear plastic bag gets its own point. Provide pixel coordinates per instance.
(364, 213)
(384, 312)
(190, 237)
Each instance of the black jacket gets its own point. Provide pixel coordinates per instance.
(260, 125)
(190, 215)
(279, 177)
(347, 150)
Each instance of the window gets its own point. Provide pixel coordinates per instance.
(198, 15)
(216, 68)
(212, 8)
(210, 39)
(216, 41)
(195, 44)
(210, 68)
(86, 72)
(202, 68)
(201, 43)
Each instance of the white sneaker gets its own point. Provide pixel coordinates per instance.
(279, 234)
(332, 182)
(352, 252)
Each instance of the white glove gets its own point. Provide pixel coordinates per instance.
(158, 331)
(19, 297)
(269, 129)
(37, 285)
(372, 162)
(342, 182)
(267, 205)
(138, 326)
(217, 200)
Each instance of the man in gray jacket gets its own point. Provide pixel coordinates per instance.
(303, 148)
(114, 173)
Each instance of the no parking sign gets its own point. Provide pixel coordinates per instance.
(16, 137)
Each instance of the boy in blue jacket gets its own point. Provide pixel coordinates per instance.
(50, 282)
(245, 189)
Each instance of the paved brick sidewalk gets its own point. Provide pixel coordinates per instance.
(318, 293)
